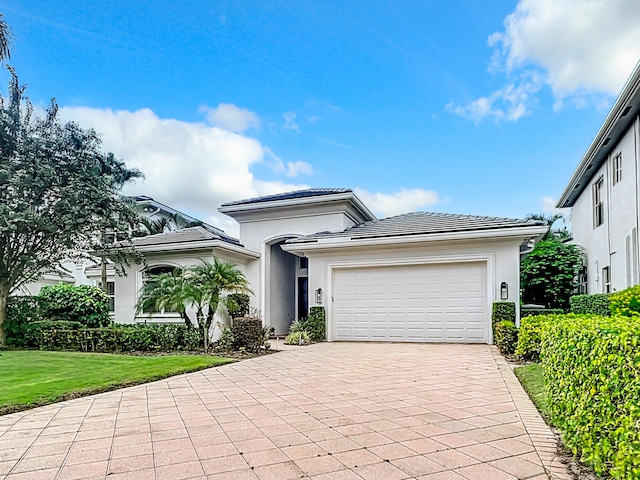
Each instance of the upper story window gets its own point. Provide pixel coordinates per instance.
(304, 262)
(606, 280)
(616, 169)
(598, 202)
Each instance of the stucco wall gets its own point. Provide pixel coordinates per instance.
(605, 245)
(502, 257)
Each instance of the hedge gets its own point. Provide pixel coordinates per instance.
(78, 303)
(248, 333)
(505, 336)
(592, 375)
(530, 312)
(503, 311)
(530, 333)
(595, 304)
(47, 335)
(626, 302)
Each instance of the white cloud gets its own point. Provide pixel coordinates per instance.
(290, 169)
(230, 117)
(581, 49)
(290, 121)
(396, 203)
(189, 166)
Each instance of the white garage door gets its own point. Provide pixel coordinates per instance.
(412, 303)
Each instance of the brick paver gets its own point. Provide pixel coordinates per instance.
(328, 411)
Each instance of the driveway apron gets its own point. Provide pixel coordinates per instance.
(372, 411)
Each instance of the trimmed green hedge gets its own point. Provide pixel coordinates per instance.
(530, 334)
(626, 302)
(61, 335)
(505, 336)
(238, 305)
(247, 333)
(77, 303)
(503, 311)
(530, 312)
(592, 375)
(596, 304)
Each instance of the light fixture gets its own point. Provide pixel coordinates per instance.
(318, 296)
(504, 291)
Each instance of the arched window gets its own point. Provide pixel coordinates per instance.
(149, 273)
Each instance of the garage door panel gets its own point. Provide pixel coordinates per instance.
(434, 303)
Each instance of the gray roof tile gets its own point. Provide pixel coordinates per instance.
(185, 235)
(420, 223)
(311, 192)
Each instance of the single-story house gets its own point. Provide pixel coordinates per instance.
(418, 277)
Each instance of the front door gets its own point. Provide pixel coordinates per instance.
(303, 297)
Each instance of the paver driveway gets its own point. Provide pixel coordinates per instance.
(330, 411)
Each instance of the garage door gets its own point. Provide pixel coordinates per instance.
(412, 303)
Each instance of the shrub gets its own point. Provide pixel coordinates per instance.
(297, 338)
(505, 335)
(626, 302)
(238, 304)
(596, 304)
(48, 335)
(530, 334)
(503, 311)
(530, 312)
(82, 303)
(316, 324)
(247, 333)
(21, 311)
(592, 375)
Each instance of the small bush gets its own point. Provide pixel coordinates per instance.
(530, 312)
(503, 311)
(316, 324)
(505, 336)
(297, 338)
(626, 302)
(77, 303)
(592, 374)
(21, 312)
(238, 304)
(596, 304)
(530, 335)
(247, 333)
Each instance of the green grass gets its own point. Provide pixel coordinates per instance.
(31, 378)
(532, 379)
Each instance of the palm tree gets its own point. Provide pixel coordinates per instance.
(5, 39)
(201, 287)
(549, 221)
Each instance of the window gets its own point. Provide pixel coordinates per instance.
(304, 262)
(598, 203)
(148, 274)
(111, 293)
(616, 169)
(606, 280)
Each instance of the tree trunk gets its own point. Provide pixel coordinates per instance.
(4, 297)
(104, 274)
(206, 339)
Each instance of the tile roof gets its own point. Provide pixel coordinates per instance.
(185, 235)
(310, 192)
(420, 223)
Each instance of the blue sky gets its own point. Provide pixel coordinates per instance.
(452, 106)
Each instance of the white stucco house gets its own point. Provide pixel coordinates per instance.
(420, 277)
(603, 194)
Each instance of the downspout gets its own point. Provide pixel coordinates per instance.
(634, 246)
(607, 182)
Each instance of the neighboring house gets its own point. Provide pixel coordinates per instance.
(423, 277)
(603, 195)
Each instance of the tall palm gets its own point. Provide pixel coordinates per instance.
(549, 221)
(218, 278)
(5, 39)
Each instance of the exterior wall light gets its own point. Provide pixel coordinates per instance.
(318, 296)
(504, 291)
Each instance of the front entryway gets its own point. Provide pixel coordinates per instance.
(444, 302)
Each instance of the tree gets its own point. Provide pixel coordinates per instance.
(548, 274)
(201, 288)
(58, 194)
(550, 221)
(149, 226)
(5, 39)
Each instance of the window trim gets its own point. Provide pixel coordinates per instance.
(598, 202)
(616, 169)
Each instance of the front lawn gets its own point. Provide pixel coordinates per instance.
(31, 377)
(532, 379)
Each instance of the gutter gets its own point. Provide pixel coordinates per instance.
(348, 242)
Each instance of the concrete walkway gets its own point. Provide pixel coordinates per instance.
(329, 411)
